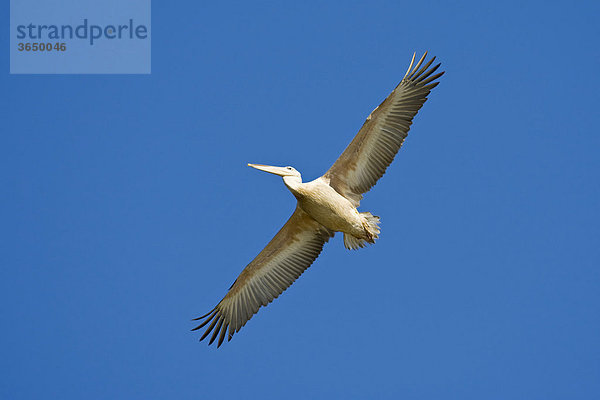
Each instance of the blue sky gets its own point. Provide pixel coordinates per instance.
(127, 208)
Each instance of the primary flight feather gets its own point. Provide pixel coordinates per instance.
(325, 206)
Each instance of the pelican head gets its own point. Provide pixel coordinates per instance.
(281, 171)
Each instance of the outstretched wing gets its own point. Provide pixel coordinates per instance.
(277, 266)
(374, 147)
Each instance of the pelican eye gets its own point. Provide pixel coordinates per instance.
(289, 168)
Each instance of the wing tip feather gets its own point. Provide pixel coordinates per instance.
(417, 66)
(411, 64)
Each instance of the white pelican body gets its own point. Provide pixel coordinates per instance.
(325, 205)
(331, 209)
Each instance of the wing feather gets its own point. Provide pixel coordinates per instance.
(293, 249)
(374, 147)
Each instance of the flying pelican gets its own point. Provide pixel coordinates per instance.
(325, 206)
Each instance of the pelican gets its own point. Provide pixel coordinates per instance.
(325, 205)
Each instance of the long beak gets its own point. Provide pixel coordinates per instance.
(281, 171)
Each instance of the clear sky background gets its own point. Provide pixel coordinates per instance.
(127, 208)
